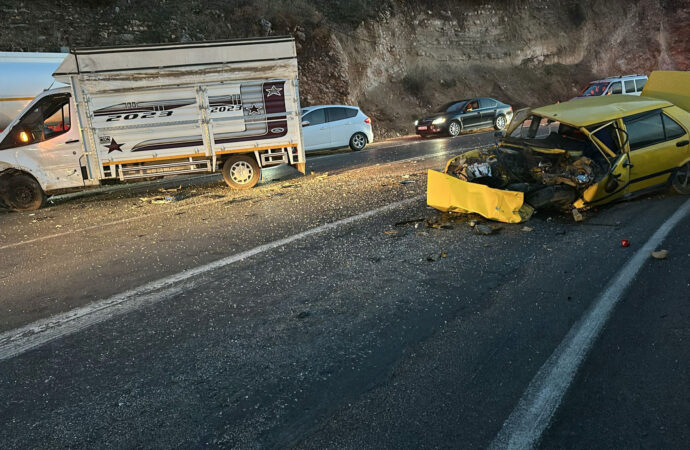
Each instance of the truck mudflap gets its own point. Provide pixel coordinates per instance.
(450, 194)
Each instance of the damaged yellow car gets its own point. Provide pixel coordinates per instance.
(575, 154)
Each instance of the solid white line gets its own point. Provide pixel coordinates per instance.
(21, 340)
(530, 418)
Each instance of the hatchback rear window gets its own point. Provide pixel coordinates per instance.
(594, 89)
(335, 114)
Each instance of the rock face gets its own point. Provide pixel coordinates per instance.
(393, 58)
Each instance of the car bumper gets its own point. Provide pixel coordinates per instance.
(428, 130)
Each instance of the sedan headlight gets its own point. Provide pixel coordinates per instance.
(416, 122)
(439, 121)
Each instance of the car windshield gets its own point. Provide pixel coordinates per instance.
(535, 127)
(452, 106)
(594, 89)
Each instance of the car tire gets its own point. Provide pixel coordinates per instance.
(500, 122)
(241, 172)
(454, 128)
(23, 193)
(358, 141)
(680, 181)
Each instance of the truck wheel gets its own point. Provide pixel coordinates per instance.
(358, 141)
(500, 122)
(241, 172)
(23, 193)
(681, 180)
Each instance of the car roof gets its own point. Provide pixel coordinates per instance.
(592, 110)
(328, 106)
(621, 77)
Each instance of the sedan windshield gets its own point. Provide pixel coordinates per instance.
(594, 89)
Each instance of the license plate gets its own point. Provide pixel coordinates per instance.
(421, 128)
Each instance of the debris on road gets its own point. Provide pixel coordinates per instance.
(409, 222)
(406, 181)
(660, 254)
(485, 229)
(577, 215)
(527, 229)
(625, 243)
(391, 232)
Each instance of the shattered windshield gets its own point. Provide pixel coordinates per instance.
(594, 89)
(535, 127)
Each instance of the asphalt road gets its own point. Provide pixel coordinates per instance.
(334, 311)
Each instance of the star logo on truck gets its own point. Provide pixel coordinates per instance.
(251, 110)
(273, 90)
(114, 146)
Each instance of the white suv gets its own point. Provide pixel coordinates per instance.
(333, 126)
(629, 85)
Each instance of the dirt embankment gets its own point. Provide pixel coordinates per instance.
(393, 58)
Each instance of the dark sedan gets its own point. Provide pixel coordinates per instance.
(463, 115)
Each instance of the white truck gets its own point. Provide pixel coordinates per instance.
(157, 110)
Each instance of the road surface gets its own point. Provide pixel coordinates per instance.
(337, 311)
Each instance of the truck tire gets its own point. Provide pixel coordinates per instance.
(23, 193)
(241, 172)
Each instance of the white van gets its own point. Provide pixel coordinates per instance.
(146, 111)
(335, 126)
(628, 85)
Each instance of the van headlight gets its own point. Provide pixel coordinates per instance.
(439, 121)
(416, 122)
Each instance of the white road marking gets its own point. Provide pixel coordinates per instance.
(180, 208)
(21, 340)
(530, 418)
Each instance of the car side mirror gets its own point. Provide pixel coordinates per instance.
(305, 123)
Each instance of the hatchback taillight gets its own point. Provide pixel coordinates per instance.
(367, 120)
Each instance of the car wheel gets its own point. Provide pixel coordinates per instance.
(241, 172)
(358, 141)
(454, 128)
(681, 180)
(500, 122)
(23, 193)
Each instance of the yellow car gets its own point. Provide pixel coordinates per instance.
(576, 154)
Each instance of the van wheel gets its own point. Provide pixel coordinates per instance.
(681, 180)
(241, 172)
(358, 141)
(23, 193)
(500, 122)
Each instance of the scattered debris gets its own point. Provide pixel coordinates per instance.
(430, 259)
(163, 199)
(303, 315)
(408, 222)
(484, 229)
(406, 182)
(391, 232)
(472, 223)
(577, 215)
(170, 189)
(444, 254)
(660, 254)
(290, 186)
(527, 229)
(625, 243)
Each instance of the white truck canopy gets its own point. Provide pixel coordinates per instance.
(106, 69)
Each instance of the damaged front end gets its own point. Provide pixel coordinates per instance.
(508, 181)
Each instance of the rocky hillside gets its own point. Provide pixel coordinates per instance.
(393, 58)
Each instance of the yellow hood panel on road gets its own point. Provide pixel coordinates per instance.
(450, 194)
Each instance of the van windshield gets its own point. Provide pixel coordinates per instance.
(594, 89)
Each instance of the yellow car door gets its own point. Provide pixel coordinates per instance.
(653, 142)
